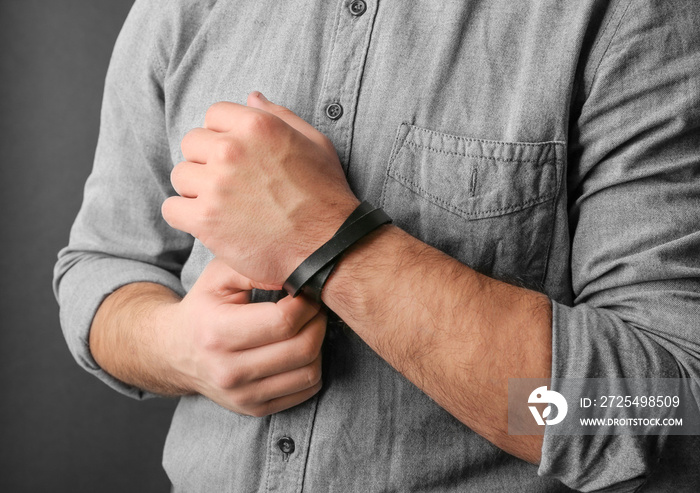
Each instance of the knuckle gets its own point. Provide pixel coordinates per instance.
(186, 141)
(314, 340)
(246, 400)
(308, 350)
(284, 113)
(209, 341)
(208, 214)
(224, 150)
(226, 378)
(220, 379)
(285, 326)
(176, 174)
(214, 110)
(221, 182)
(258, 122)
(165, 210)
(313, 375)
(168, 211)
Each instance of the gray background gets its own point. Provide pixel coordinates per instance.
(61, 430)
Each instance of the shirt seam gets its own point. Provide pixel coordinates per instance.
(443, 204)
(355, 96)
(310, 428)
(485, 141)
(477, 156)
(271, 438)
(160, 68)
(607, 48)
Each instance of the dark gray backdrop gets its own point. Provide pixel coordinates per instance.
(61, 430)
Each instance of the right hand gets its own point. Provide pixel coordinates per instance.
(252, 358)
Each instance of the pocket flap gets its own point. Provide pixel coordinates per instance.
(474, 178)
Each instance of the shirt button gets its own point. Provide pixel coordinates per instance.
(358, 7)
(334, 111)
(286, 445)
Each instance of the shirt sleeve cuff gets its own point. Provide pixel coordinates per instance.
(589, 462)
(80, 292)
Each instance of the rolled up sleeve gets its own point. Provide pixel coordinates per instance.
(634, 198)
(119, 236)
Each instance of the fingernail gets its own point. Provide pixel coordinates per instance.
(261, 96)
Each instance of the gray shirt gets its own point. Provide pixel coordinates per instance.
(553, 144)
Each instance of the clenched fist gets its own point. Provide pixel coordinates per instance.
(261, 188)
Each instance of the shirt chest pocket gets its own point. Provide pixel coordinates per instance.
(488, 204)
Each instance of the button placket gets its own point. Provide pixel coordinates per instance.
(288, 447)
(337, 104)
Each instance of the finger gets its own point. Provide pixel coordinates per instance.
(178, 213)
(219, 279)
(298, 310)
(222, 116)
(281, 357)
(188, 179)
(261, 324)
(251, 326)
(218, 276)
(198, 143)
(286, 402)
(257, 100)
(280, 385)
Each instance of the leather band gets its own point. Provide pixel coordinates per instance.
(312, 289)
(359, 224)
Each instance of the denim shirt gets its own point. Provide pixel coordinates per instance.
(552, 144)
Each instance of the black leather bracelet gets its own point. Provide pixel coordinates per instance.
(313, 287)
(312, 273)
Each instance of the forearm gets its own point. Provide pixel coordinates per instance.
(128, 337)
(456, 334)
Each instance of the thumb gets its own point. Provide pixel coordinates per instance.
(257, 100)
(217, 277)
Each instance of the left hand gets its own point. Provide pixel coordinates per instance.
(261, 188)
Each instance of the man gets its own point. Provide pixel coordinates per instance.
(540, 164)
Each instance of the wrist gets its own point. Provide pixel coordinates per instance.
(319, 230)
(310, 276)
(169, 319)
(357, 267)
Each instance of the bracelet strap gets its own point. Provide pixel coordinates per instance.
(312, 289)
(312, 273)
